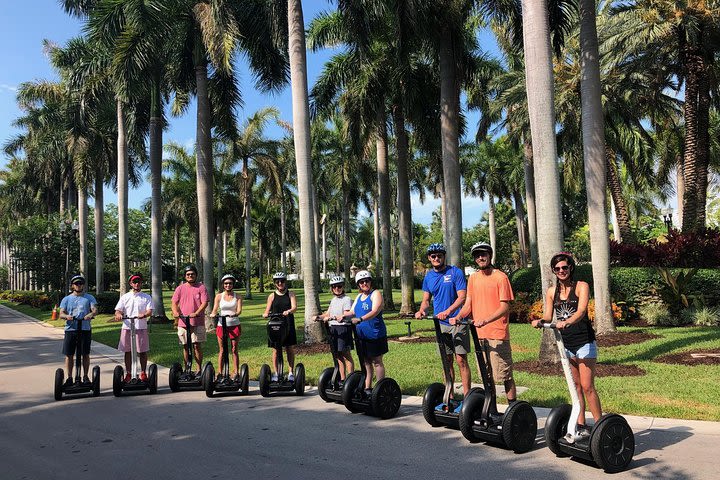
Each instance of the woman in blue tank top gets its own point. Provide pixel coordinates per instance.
(370, 331)
(568, 301)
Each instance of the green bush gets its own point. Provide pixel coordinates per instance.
(634, 285)
(527, 280)
(701, 317)
(37, 299)
(658, 314)
(107, 301)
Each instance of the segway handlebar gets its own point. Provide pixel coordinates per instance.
(462, 321)
(546, 324)
(318, 318)
(185, 320)
(276, 316)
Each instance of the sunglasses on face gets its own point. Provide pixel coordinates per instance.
(230, 284)
(79, 284)
(436, 255)
(190, 275)
(563, 268)
(337, 286)
(135, 281)
(480, 254)
(279, 281)
(363, 281)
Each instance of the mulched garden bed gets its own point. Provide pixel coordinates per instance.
(411, 339)
(687, 358)
(312, 348)
(603, 369)
(624, 338)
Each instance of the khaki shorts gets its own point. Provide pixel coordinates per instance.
(455, 339)
(501, 360)
(198, 335)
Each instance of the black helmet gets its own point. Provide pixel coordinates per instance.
(77, 279)
(190, 268)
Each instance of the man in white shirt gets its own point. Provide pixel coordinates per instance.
(137, 304)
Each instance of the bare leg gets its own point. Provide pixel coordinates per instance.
(143, 361)
(510, 390)
(197, 348)
(128, 362)
(367, 363)
(578, 387)
(586, 368)
(236, 358)
(69, 364)
(379, 367)
(220, 355)
(276, 366)
(86, 364)
(464, 372)
(291, 357)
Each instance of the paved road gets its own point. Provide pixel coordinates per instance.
(186, 435)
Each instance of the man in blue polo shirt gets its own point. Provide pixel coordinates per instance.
(447, 286)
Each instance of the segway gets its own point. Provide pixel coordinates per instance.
(135, 384)
(438, 394)
(223, 382)
(479, 419)
(611, 443)
(383, 401)
(277, 328)
(78, 386)
(330, 387)
(185, 378)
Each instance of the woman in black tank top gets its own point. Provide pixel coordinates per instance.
(283, 301)
(567, 302)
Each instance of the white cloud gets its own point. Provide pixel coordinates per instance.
(9, 88)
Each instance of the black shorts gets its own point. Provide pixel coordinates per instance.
(290, 339)
(373, 347)
(341, 337)
(70, 342)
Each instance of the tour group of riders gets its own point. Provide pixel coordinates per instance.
(483, 299)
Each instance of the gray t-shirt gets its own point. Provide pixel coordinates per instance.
(338, 306)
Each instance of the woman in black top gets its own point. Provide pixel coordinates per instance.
(283, 301)
(568, 301)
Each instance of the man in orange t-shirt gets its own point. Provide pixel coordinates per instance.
(489, 294)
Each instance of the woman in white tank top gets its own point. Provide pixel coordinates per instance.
(228, 305)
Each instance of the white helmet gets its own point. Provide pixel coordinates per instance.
(337, 280)
(228, 276)
(279, 276)
(362, 275)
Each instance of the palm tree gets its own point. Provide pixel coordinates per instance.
(301, 134)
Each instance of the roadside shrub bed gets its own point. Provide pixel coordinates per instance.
(42, 300)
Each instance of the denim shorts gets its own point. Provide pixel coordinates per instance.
(589, 350)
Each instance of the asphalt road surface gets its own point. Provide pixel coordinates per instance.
(188, 436)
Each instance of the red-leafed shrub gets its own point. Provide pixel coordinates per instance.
(675, 250)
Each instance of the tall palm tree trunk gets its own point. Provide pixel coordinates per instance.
(83, 228)
(540, 93)
(176, 252)
(247, 232)
(491, 226)
(449, 112)
(99, 233)
(376, 233)
(520, 224)
(383, 175)
(690, 159)
(204, 173)
(593, 133)
(703, 160)
(301, 136)
(407, 293)
(156, 199)
(621, 211)
(680, 189)
(346, 237)
(122, 192)
(283, 236)
(530, 199)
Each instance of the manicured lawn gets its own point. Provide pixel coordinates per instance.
(665, 391)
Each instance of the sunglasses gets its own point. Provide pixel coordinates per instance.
(481, 254)
(279, 281)
(191, 275)
(337, 286)
(228, 283)
(436, 255)
(360, 282)
(135, 281)
(563, 268)
(80, 284)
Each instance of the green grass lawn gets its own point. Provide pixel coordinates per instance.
(665, 391)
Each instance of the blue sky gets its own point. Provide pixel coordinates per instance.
(24, 26)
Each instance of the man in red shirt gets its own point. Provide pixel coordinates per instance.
(190, 299)
(489, 294)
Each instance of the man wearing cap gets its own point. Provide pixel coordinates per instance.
(190, 299)
(447, 286)
(77, 308)
(138, 304)
(489, 294)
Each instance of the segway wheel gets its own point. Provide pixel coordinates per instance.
(244, 378)
(519, 427)
(386, 398)
(95, 381)
(432, 398)
(152, 379)
(117, 380)
(556, 428)
(208, 380)
(324, 383)
(471, 410)
(352, 384)
(174, 377)
(299, 379)
(264, 380)
(59, 379)
(612, 443)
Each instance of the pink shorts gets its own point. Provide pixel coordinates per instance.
(233, 332)
(142, 341)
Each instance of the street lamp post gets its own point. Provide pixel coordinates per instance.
(667, 218)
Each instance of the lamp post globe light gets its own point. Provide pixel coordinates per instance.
(667, 217)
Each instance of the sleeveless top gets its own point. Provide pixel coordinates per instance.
(372, 328)
(280, 303)
(228, 309)
(579, 333)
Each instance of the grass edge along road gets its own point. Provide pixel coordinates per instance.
(671, 391)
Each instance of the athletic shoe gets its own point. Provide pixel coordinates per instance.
(127, 378)
(583, 432)
(368, 392)
(274, 377)
(68, 382)
(341, 384)
(458, 408)
(291, 377)
(86, 379)
(143, 377)
(236, 378)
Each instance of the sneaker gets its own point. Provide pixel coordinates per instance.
(143, 377)
(368, 392)
(291, 377)
(274, 377)
(236, 378)
(127, 378)
(68, 382)
(86, 379)
(583, 431)
(458, 408)
(341, 384)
